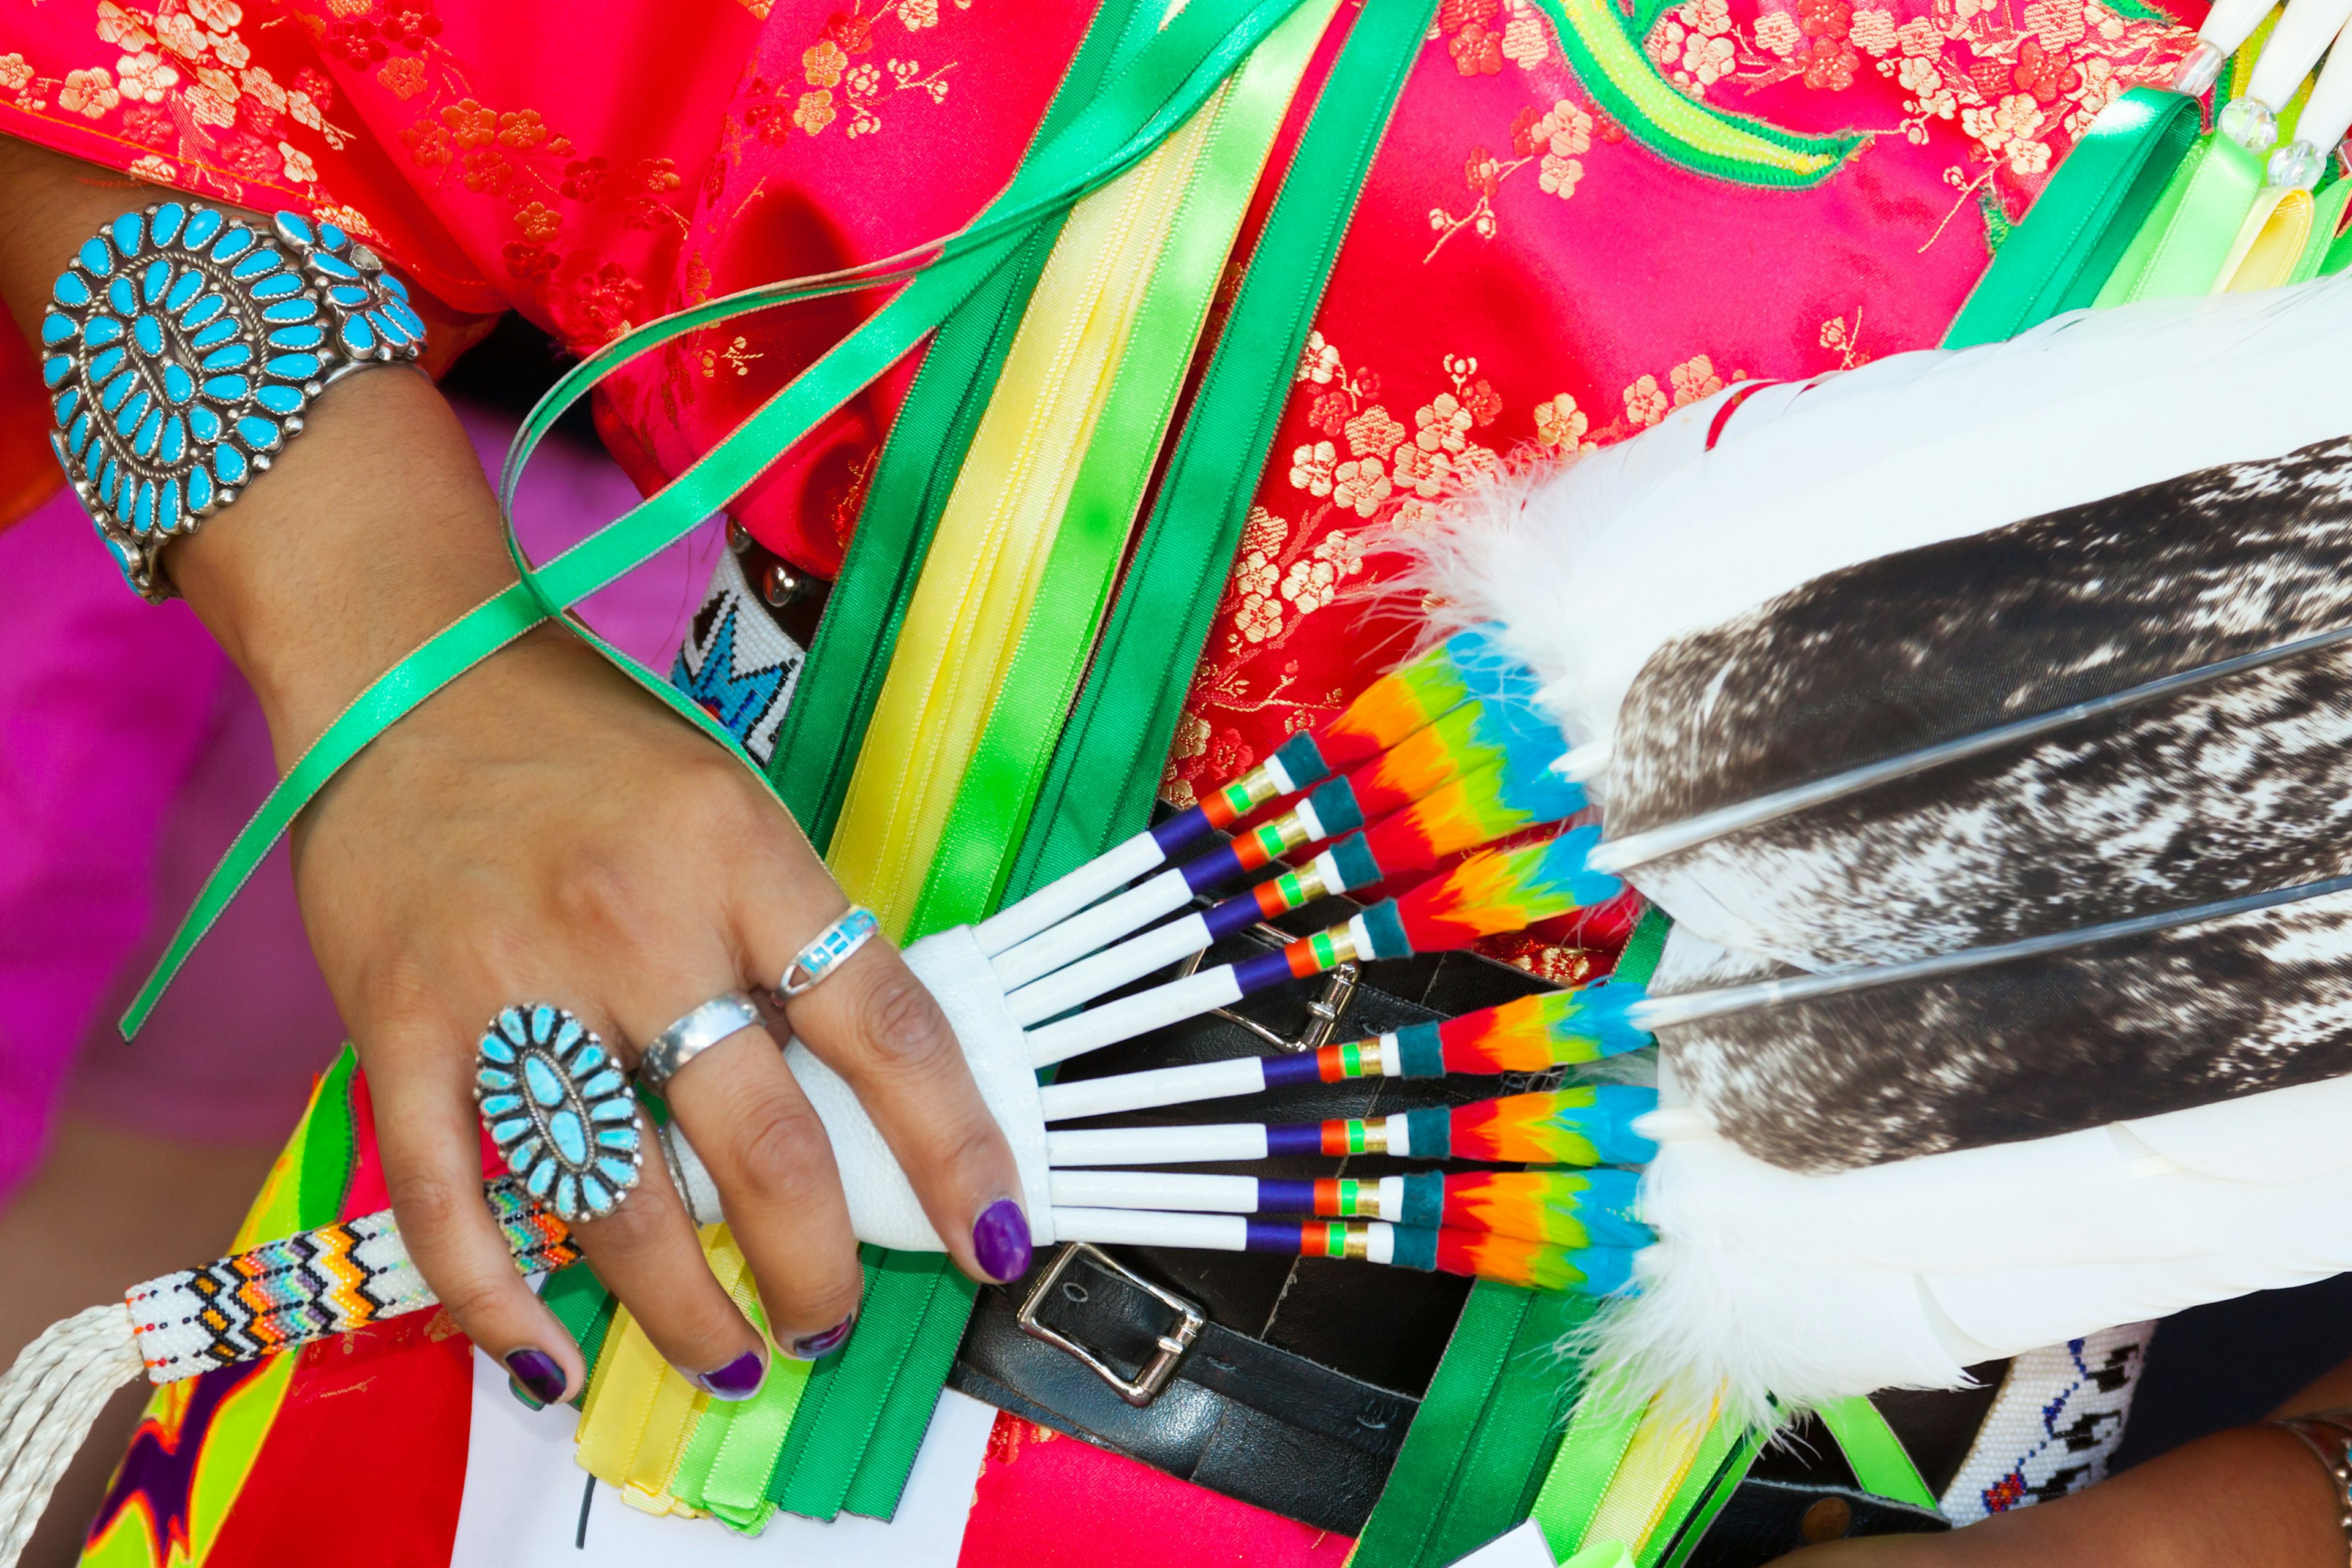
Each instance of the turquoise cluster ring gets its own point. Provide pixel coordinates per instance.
(558, 1107)
(180, 349)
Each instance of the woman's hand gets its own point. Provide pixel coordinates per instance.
(541, 830)
(562, 837)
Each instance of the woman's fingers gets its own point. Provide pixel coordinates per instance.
(872, 1022)
(767, 1152)
(431, 1147)
(646, 1253)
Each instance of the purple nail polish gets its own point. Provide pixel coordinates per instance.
(737, 1381)
(816, 1347)
(1000, 1238)
(537, 1375)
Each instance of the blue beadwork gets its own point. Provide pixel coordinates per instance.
(560, 1110)
(187, 348)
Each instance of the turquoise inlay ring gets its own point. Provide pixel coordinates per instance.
(828, 951)
(559, 1108)
(180, 349)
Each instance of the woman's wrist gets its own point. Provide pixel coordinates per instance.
(374, 529)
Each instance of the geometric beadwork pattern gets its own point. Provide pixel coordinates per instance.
(181, 349)
(329, 1281)
(560, 1110)
(737, 662)
(2058, 1418)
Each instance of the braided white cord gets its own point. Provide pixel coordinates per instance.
(47, 1402)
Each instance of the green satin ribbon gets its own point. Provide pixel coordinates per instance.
(1007, 768)
(1106, 768)
(817, 744)
(1581, 1469)
(2189, 234)
(2326, 217)
(1181, 65)
(1881, 1465)
(1107, 771)
(2068, 246)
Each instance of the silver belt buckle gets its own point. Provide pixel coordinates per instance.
(1155, 1374)
(1323, 1014)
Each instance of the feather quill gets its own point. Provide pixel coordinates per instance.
(1591, 570)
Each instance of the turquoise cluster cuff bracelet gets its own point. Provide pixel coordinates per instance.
(179, 350)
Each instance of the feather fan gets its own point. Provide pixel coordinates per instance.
(1984, 719)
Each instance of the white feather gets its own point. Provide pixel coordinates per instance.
(1591, 567)
(1815, 1288)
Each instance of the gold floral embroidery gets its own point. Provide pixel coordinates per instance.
(1846, 340)
(1967, 65)
(1560, 425)
(1552, 139)
(737, 355)
(1288, 571)
(1646, 401)
(829, 63)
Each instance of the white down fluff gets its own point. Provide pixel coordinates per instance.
(1591, 567)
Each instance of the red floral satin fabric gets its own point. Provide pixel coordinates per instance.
(1525, 278)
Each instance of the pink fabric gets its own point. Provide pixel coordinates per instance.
(130, 753)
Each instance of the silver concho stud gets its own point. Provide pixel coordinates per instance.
(559, 1108)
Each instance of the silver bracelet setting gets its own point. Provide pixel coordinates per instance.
(181, 349)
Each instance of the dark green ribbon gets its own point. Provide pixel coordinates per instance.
(2062, 253)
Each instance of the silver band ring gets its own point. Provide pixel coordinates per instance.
(829, 950)
(668, 1052)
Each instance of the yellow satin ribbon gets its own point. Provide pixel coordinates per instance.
(961, 631)
(1657, 1462)
(980, 578)
(2270, 243)
(638, 1413)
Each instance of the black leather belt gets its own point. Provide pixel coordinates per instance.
(1285, 1383)
(1099, 1353)
(1288, 1382)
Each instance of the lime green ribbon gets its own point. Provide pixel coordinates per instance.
(2058, 258)
(2187, 235)
(1100, 783)
(1001, 781)
(1172, 76)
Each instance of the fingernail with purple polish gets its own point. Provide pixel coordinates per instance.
(738, 1380)
(816, 1347)
(537, 1379)
(999, 1238)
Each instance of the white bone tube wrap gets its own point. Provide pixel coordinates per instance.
(1186, 1193)
(1132, 1016)
(1108, 970)
(1091, 929)
(1057, 901)
(1157, 1145)
(1160, 1085)
(883, 1208)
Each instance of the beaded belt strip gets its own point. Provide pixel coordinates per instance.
(325, 1282)
(181, 350)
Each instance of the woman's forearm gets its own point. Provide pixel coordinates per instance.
(373, 528)
(2250, 1496)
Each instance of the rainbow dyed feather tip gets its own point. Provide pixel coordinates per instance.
(1470, 664)
(1557, 1028)
(1505, 890)
(1562, 1208)
(1590, 1125)
(1535, 1265)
